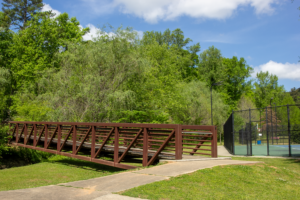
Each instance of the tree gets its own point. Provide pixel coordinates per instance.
(210, 67)
(4, 21)
(235, 82)
(33, 48)
(176, 41)
(295, 93)
(6, 37)
(20, 12)
(266, 86)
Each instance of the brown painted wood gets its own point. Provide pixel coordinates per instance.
(40, 135)
(104, 142)
(20, 134)
(53, 135)
(74, 139)
(200, 144)
(161, 148)
(130, 145)
(58, 137)
(116, 146)
(83, 140)
(66, 138)
(31, 132)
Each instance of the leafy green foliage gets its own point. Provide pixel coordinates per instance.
(266, 87)
(4, 21)
(295, 93)
(33, 49)
(235, 83)
(210, 67)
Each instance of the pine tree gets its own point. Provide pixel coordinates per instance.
(19, 11)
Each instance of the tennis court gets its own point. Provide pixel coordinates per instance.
(274, 150)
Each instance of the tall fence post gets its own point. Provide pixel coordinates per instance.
(178, 144)
(272, 126)
(233, 151)
(250, 134)
(267, 132)
(289, 129)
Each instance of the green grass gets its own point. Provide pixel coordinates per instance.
(273, 179)
(58, 169)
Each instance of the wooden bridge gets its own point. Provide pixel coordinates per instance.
(113, 143)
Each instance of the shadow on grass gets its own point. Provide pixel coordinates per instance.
(72, 162)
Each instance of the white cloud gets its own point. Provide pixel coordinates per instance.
(47, 7)
(94, 31)
(155, 10)
(283, 71)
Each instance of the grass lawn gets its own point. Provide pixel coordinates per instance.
(273, 179)
(58, 169)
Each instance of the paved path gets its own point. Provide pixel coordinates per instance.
(103, 187)
(222, 151)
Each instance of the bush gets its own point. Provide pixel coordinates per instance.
(18, 154)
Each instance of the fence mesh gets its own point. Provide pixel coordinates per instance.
(228, 130)
(270, 131)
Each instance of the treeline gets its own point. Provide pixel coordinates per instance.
(48, 73)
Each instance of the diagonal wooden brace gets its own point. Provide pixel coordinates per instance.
(83, 140)
(161, 148)
(104, 142)
(130, 145)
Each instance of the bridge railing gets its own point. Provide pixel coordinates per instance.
(112, 143)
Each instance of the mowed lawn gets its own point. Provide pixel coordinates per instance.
(273, 179)
(58, 169)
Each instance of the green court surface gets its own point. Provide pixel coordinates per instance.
(274, 150)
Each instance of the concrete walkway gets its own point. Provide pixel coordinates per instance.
(103, 187)
(222, 151)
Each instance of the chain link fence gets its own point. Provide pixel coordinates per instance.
(269, 131)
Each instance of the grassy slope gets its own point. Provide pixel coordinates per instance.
(274, 179)
(58, 169)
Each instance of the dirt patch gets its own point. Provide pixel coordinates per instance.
(273, 167)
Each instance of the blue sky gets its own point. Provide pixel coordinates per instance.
(264, 32)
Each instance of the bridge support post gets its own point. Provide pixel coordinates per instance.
(46, 136)
(145, 147)
(116, 149)
(178, 143)
(214, 143)
(93, 143)
(58, 137)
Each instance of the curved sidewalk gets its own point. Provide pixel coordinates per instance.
(103, 187)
